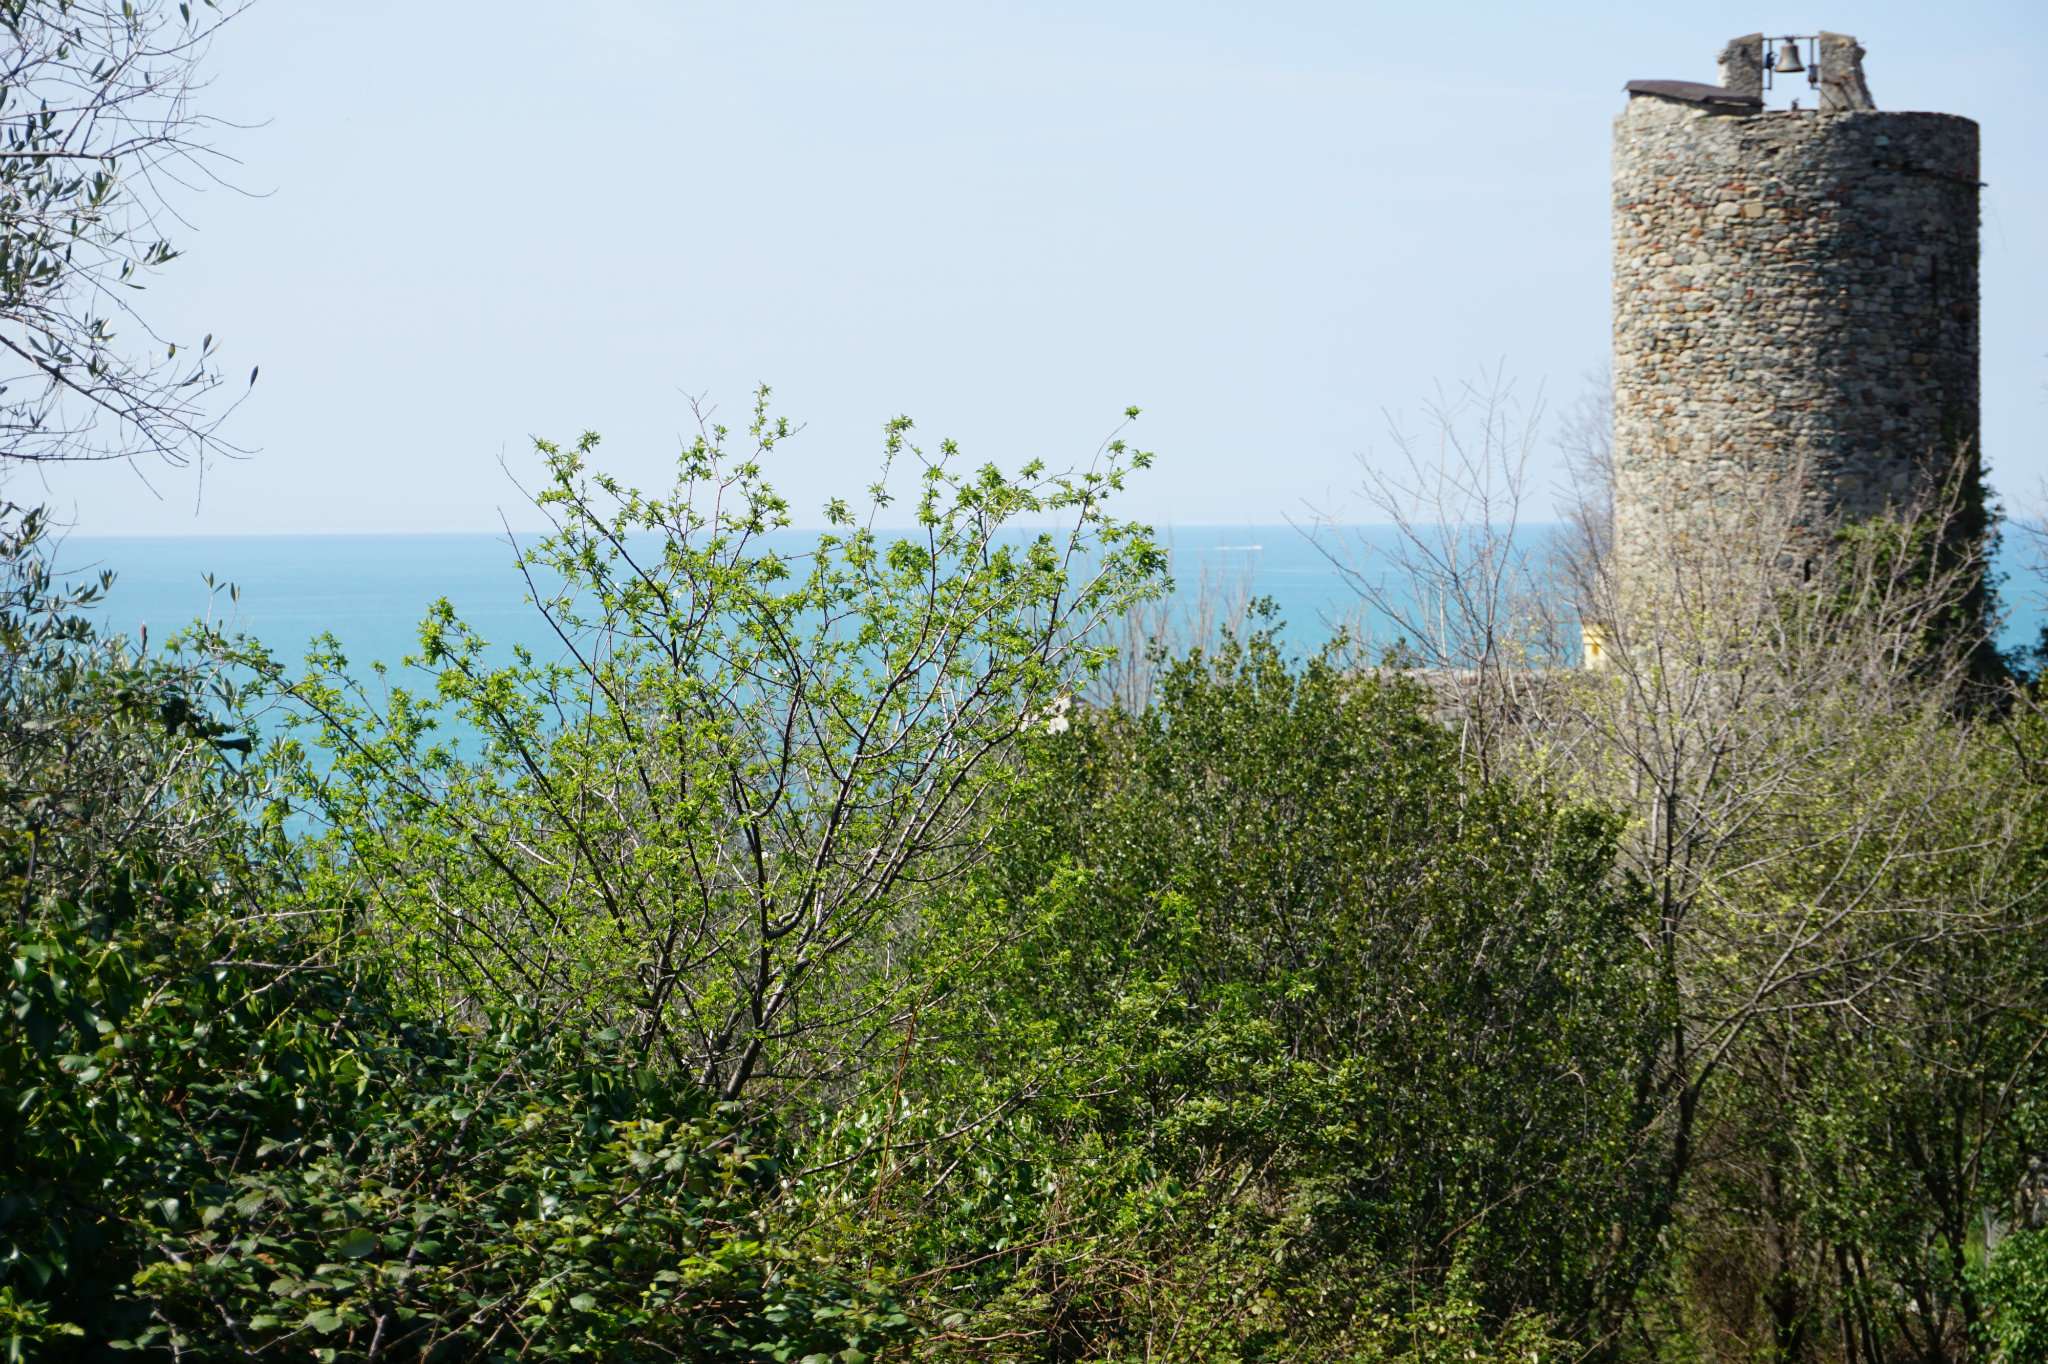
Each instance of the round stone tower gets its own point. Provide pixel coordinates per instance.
(1795, 304)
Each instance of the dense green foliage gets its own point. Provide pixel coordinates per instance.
(1291, 1040)
(227, 1137)
(2014, 1286)
(791, 972)
(787, 968)
(214, 1161)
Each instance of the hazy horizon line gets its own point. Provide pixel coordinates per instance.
(1159, 527)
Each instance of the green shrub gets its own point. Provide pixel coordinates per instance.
(1271, 1028)
(232, 1160)
(2012, 1284)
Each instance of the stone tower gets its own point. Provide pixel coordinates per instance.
(1795, 303)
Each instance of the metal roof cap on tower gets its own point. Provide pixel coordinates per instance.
(1697, 92)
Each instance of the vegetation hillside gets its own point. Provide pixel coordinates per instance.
(848, 955)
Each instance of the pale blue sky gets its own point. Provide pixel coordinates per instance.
(1264, 224)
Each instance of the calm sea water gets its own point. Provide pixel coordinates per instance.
(370, 591)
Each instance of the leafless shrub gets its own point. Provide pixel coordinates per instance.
(1786, 717)
(1154, 631)
(1464, 577)
(1585, 437)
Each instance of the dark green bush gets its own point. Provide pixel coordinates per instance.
(2013, 1283)
(231, 1160)
(1305, 1037)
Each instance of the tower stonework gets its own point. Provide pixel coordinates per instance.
(1795, 305)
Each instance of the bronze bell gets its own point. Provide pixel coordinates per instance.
(1788, 63)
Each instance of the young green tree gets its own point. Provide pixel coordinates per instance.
(707, 813)
(223, 1136)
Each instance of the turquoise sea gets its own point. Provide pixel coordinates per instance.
(371, 590)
